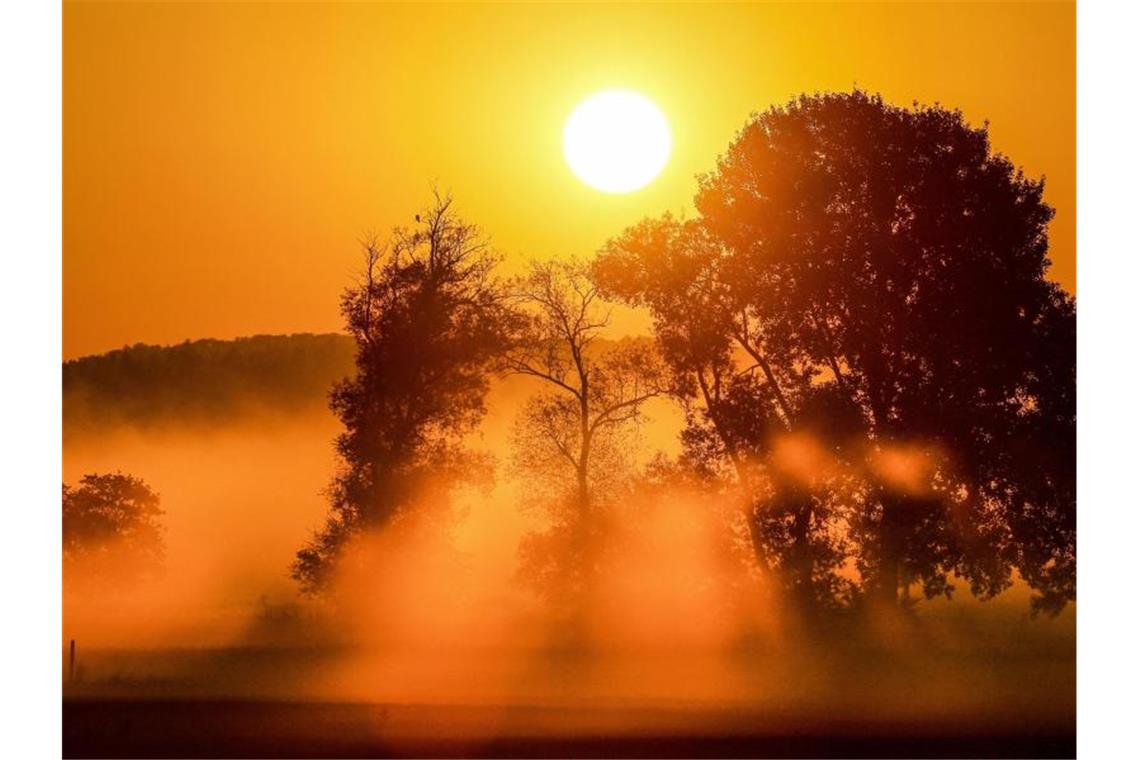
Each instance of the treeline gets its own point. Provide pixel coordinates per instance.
(203, 380)
(857, 326)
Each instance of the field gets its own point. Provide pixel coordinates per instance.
(216, 728)
(265, 702)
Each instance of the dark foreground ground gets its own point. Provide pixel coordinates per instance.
(222, 728)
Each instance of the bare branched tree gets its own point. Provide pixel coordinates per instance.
(574, 438)
(591, 392)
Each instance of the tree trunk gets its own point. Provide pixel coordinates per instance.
(801, 564)
(584, 456)
(585, 528)
(583, 492)
(890, 548)
(756, 537)
(759, 550)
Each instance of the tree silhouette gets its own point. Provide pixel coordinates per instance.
(572, 437)
(886, 260)
(111, 530)
(428, 317)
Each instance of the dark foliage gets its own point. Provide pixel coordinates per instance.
(111, 531)
(886, 260)
(202, 381)
(428, 318)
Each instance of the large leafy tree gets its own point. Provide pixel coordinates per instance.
(892, 255)
(428, 317)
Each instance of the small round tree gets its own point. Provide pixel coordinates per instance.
(111, 531)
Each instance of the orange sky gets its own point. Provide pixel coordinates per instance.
(220, 161)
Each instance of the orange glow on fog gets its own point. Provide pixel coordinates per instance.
(802, 458)
(905, 469)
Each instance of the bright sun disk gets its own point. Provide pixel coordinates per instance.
(617, 141)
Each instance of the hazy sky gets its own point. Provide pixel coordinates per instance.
(221, 161)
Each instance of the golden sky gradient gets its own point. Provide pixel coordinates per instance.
(221, 161)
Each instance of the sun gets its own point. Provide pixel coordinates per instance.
(617, 141)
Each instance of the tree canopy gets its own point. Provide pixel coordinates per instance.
(111, 530)
(429, 317)
(886, 264)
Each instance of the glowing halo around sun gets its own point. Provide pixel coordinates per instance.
(617, 141)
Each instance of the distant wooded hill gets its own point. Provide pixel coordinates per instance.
(203, 380)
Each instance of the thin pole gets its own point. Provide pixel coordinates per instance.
(71, 663)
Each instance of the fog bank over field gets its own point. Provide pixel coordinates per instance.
(440, 611)
(236, 438)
